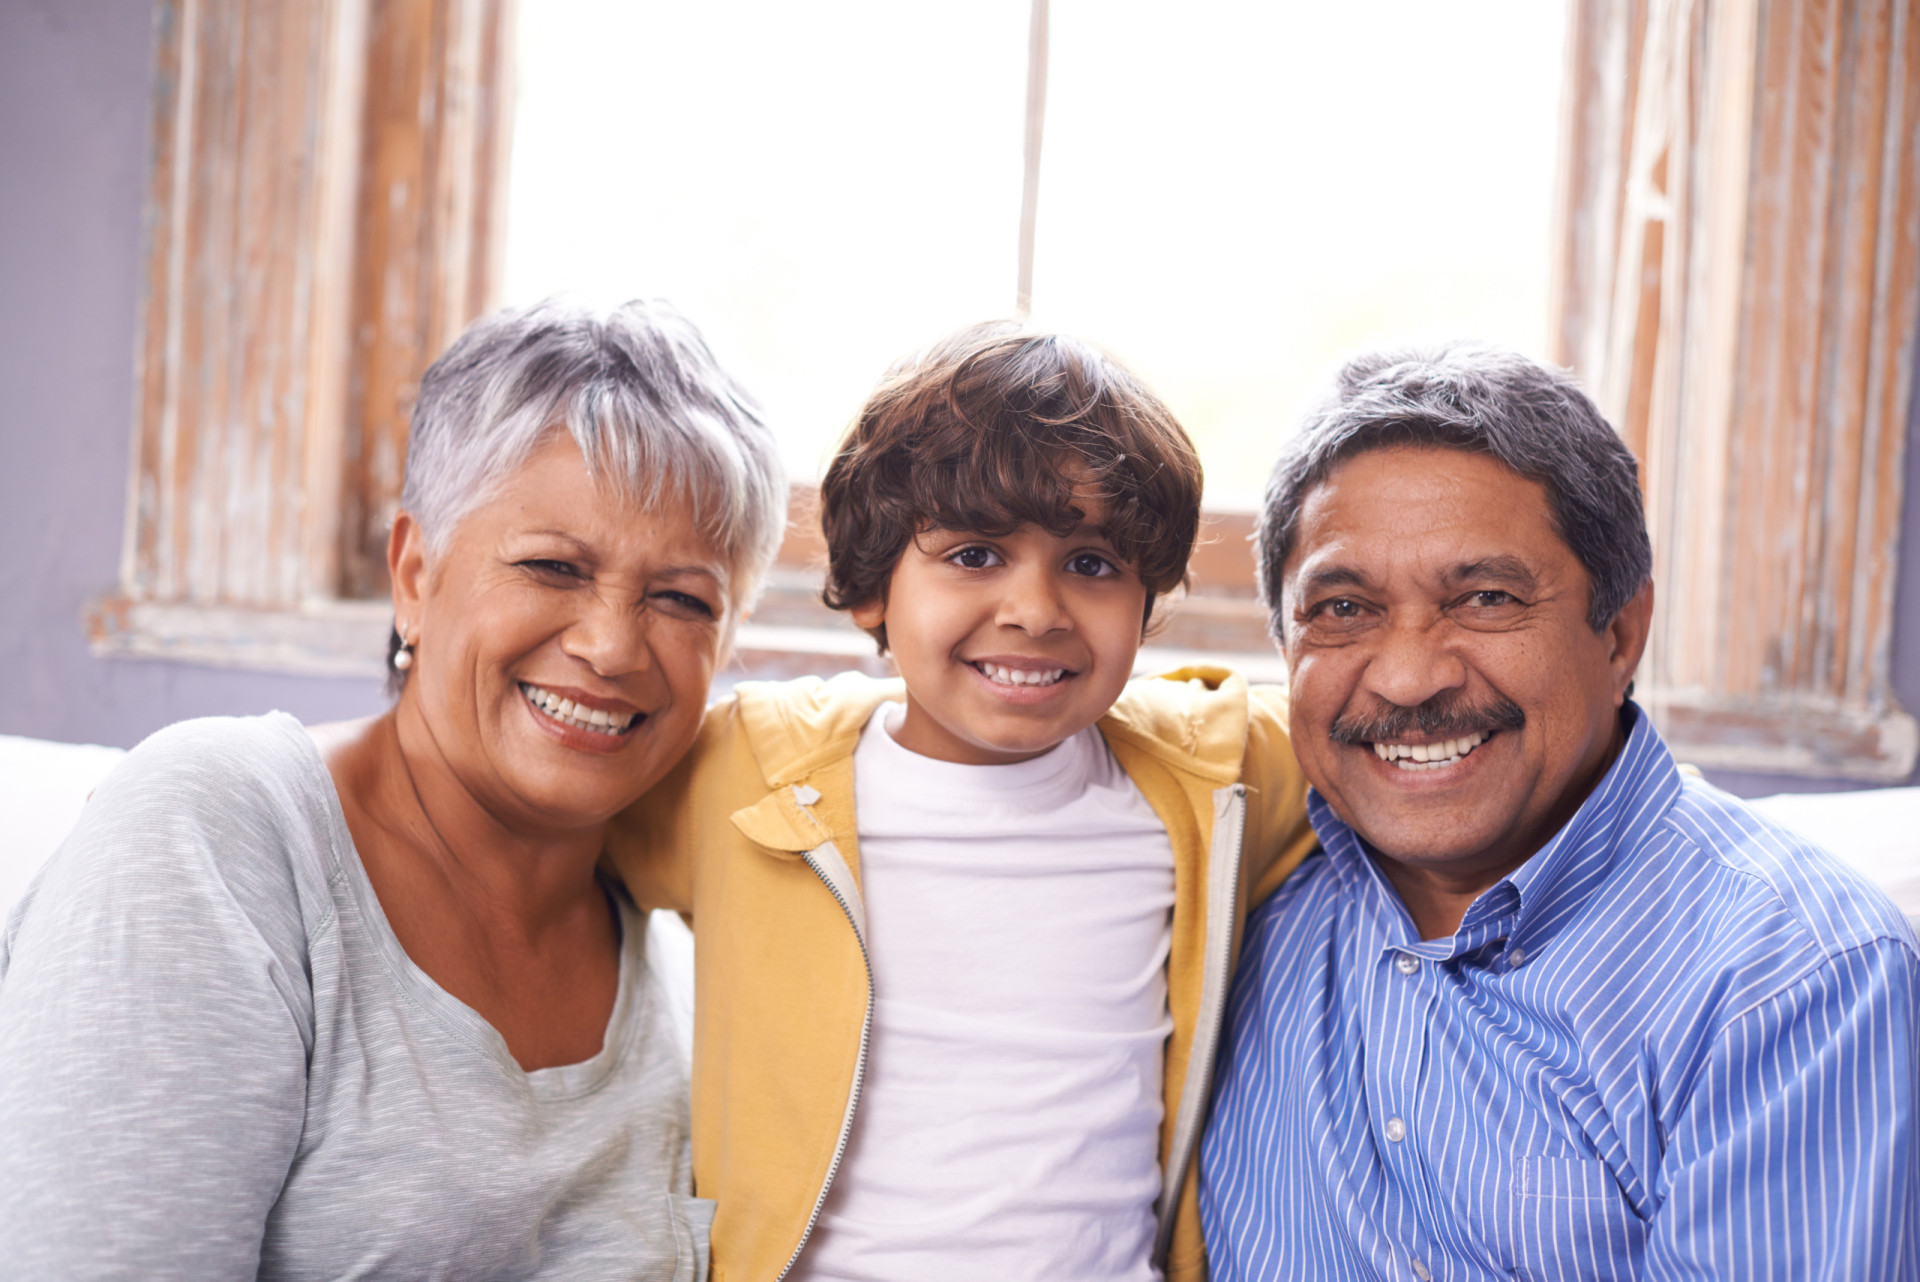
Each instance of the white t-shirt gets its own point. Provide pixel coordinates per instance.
(1019, 922)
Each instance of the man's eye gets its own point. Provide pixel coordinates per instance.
(1492, 599)
(1341, 608)
(1092, 565)
(974, 558)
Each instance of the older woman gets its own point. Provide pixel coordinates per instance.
(360, 1005)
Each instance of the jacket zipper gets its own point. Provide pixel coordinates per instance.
(859, 1066)
(1223, 897)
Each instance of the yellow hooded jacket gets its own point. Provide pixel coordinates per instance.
(754, 835)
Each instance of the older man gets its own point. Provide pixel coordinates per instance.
(1544, 1007)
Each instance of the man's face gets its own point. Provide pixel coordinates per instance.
(1449, 699)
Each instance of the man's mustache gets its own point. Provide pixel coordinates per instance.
(1448, 717)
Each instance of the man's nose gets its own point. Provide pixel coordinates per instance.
(1412, 662)
(1031, 601)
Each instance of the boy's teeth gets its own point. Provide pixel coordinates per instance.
(576, 715)
(1020, 676)
(1428, 756)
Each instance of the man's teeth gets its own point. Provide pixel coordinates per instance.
(1428, 756)
(579, 716)
(1019, 676)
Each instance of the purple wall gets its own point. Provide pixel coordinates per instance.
(73, 165)
(73, 169)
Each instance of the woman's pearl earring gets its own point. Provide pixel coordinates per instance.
(403, 657)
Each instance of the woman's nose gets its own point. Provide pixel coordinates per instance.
(613, 638)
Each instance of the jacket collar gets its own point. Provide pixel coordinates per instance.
(1192, 720)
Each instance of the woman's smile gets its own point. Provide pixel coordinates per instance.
(570, 713)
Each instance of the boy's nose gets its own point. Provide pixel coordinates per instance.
(1032, 603)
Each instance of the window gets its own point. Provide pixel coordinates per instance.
(1229, 195)
(322, 217)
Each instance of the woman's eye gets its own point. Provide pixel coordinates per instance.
(1092, 565)
(687, 605)
(974, 558)
(554, 569)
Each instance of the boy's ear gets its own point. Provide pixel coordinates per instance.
(869, 615)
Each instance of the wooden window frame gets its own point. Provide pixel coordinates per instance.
(322, 218)
(1738, 279)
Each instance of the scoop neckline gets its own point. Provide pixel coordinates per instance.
(556, 1082)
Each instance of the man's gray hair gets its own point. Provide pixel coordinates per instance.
(653, 414)
(1465, 396)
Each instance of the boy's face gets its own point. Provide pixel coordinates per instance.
(1008, 645)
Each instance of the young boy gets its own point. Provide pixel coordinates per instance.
(963, 940)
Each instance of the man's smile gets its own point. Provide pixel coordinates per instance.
(1431, 756)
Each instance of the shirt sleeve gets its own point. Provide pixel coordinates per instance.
(1795, 1156)
(152, 1059)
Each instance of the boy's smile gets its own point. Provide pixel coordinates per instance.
(1009, 644)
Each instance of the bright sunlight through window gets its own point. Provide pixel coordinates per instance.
(1231, 196)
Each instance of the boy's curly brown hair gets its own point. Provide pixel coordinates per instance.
(997, 427)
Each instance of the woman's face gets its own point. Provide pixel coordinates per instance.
(564, 640)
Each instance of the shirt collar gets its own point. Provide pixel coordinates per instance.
(1550, 887)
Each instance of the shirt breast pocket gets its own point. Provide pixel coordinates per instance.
(1568, 1219)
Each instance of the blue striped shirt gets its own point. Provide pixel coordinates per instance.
(1678, 1042)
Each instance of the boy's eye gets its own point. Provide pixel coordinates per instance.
(975, 558)
(1092, 565)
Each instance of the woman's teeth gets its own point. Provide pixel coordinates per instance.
(577, 716)
(1019, 676)
(1428, 756)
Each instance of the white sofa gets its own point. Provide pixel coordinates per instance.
(43, 786)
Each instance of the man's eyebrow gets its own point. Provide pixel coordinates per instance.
(1510, 570)
(1332, 576)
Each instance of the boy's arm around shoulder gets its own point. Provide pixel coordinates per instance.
(1279, 835)
(652, 845)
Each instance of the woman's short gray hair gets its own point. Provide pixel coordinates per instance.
(1465, 396)
(651, 410)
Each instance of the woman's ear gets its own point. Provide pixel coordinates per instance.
(407, 570)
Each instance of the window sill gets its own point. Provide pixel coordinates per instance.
(792, 635)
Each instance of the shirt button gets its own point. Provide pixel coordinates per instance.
(1516, 955)
(1405, 964)
(1396, 1130)
(1420, 1270)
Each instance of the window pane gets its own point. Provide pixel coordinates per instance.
(1235, 195)
(820, 187)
